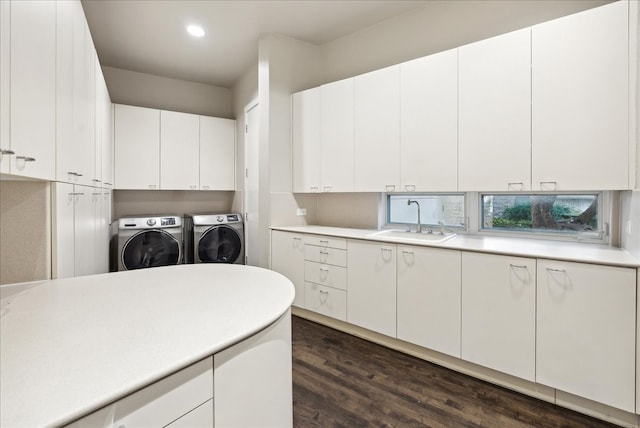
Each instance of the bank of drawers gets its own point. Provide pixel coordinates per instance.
(325, 275)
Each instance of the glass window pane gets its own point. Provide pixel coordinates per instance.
(564, 213)
(434, 208)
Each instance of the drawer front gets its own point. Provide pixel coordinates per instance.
(330, 256)
(323, 274)
(168, 399)
(326, 301)
(326, 241)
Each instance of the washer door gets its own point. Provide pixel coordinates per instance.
(150, 248)
(219, 244)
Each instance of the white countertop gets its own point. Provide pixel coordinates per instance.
(72, 346)
(521, 247)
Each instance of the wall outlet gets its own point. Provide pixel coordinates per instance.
(301, 211)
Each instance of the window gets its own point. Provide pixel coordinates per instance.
(563, 214)
(434, 208)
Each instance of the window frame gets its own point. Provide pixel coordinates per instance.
(393, 225)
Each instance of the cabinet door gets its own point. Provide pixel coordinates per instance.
(429, 123)
(179, 151)
(217, 153)
(499, 313)
(586, 331)
(305, 129)
(102, 233)
(336, 136)
(5, 86)
(287, 257)
(84, 95)
(495, 113)
(63, 198)
(429, 294)
(252, 380)
(371, 282)
(33, 88)
(377, 131)
(581, 101)
(85, 230)
(136, 147)
(104, 130)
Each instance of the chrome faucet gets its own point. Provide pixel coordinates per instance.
(409, 202)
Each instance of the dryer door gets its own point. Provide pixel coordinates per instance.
(219, 244)
(150, 248)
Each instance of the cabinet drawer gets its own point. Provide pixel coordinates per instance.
(326, 300)
(168, 399)
(330, 256)
(326, 241)
(323, 274)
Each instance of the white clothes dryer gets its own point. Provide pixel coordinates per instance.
(149, 241)
(214, 238)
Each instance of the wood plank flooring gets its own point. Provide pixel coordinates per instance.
(342, 381)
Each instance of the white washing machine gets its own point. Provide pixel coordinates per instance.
(214, 238)
(149, 241)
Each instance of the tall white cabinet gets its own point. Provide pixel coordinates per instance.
(306, 147)
(580, 101)
(494, 113)
(429, 123)
(217, 154)
(377, 131)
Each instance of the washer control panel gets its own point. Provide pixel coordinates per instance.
(149, 222)
(168, 221)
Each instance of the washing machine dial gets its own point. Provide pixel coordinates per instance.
(151, 222)
(220, 219)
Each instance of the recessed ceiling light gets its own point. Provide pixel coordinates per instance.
(195, 30)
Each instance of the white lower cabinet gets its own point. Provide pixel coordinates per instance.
(328, 301)
(253, 379)
(429, 298)
(499, 313)
(371, 300)
(586, 331)
(287, 257)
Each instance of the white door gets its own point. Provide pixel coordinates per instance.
(251, 185)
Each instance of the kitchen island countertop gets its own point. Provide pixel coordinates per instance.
(71, 346)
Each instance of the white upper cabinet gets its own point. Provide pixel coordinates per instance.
(217, 153)
(137, 147)
(336, 136)
(306, 149)
(32, 88)
(5, 86)
(580, 117)
(429, 123)
(377, 131)
(179, 151)
(104, 130)
(494, 121)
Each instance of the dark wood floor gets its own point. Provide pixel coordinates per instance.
(342, 381)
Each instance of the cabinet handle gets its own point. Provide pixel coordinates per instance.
(313, 188)
(323, 241)
(556, 270)
(76, 194)
(193, 187)
(390, 187)
(7, 152)
(510, 185)
(326, 253)
(409, 187)
(26, 158)
(95, 180)
(518, 266)
(152, 186)
(327, 188)
(386, 249)
(410, 253)
(324, 269)
(108, 184)
(323, 292)
(205, 187)
(297, 238)
(555, 185)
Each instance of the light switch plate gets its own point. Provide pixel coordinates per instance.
(301, 211)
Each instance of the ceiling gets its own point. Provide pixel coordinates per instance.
(149, 36)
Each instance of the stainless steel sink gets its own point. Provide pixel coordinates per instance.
(397, 234)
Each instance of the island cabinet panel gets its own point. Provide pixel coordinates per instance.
(499, 313)
(580, 101)
(377, 131)
(371, 297)
(429, 123)
(162, 402)
(586, 331)
(253, 380)
(429, 293)
(494, 113)
(287, 257)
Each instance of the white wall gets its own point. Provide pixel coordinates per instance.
(148, 90)
(170, 202)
